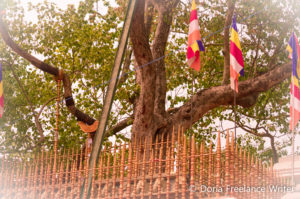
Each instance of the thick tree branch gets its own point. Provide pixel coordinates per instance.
(231, 6)
(17, 49)
(48, 69)
(144, 107)
(206, 100)
(120, 126)
(148, 17)
(165, 13)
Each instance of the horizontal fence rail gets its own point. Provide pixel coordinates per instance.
(174, 166)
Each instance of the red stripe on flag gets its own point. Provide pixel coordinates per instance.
(193, 15)
(294, 119)
(196, 64)
(190, 53)
(237, 53)
(296, 92)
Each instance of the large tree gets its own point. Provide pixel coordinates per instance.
(161, 92)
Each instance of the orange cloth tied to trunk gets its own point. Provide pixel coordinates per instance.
(88, 128)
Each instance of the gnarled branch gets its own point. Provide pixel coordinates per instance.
(48, 69)
(205, 100)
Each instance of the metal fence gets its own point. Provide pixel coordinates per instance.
(174, 167)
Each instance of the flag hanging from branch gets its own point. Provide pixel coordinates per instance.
(1, 93)
(294, 50)
(195, 44)
(236, 57)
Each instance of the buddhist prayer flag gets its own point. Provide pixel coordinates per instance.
(194, 40)
(294, 49)
(236, 57)
(1, 92)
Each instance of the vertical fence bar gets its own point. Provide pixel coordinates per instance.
(227, 162)
(93, 181)
(144, 169)
(168, 168)
(107, 171)
(17, 180)
(67, 174)
(60, 179)
(114, 171)
(232, 163)
(100, 170)
(160, 161)
(183, 163)
(86, 168)
(41, 174)
(48, 173)
(28, 186)
(210, 168)
(251, 173)
(245, 170)
(130, 170)
(122, 170)
(255, 183)
(10, 179)
(172, 151)
(218, 160)
(151, 171)
(202, 157)
(135, 163)
(263, 176)
(177, 164)
(79, 173)
(236, 168)
(35, 181)
(73, 189)
(192, 177)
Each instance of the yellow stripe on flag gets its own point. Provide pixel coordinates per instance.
(235, 38)
(194, 7)
(296, 81)
(289, 48)
(195, 46)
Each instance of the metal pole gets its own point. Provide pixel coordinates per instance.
(293, 155)
(97, 144)
(293, 131)
(234, 109)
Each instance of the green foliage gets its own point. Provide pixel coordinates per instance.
(83, 43)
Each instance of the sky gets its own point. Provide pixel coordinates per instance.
(63, 4)
(31, 16)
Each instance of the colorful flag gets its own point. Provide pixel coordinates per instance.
(236, 57)
(194, 40)
(1, 93)
(294, 49)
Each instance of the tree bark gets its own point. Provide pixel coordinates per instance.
(274, 151)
